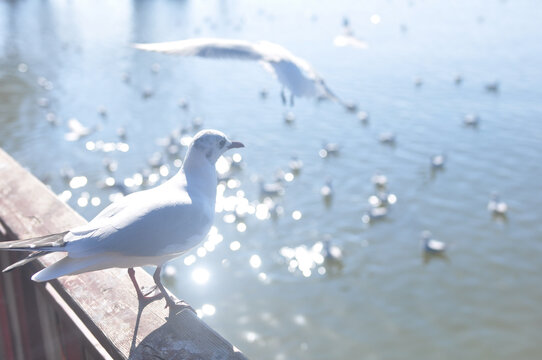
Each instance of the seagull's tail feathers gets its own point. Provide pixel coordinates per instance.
(331, 95)
(68, 266)
(32, 256)
(326, 91)
(348, 106)
(52, 242)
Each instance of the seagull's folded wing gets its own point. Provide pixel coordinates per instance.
(147, 223)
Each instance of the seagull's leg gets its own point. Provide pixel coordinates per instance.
(283, 97)
(143, 300)
(174, 307)
(291, 99)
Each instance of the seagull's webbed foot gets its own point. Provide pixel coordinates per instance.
(146, 291)
(146, 300)
(175, 307)
(143, 299)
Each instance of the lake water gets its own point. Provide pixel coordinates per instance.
(259, 281)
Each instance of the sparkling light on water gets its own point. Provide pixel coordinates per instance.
(189, 260)
(78, 182)
(375, 19)
(255, 261)
(65, 195)
(200, 276)
(208, 309)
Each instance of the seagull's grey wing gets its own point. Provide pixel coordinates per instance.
(151, 224)
(207, 48)
(104, 217)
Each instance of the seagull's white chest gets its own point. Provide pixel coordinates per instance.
(206, 221)
(191, 226)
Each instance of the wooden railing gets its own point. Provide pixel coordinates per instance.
(88, 316)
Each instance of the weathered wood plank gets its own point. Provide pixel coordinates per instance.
(198, 341)
(104, 301)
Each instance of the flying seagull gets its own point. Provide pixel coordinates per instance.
(147, 227)
(292, 72)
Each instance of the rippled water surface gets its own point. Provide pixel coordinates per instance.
(261, 280)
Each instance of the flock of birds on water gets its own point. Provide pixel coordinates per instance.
(298, 79)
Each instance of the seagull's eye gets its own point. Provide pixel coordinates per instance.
(222, 143)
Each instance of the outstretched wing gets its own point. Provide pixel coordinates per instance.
(291, 71)
(206, 48)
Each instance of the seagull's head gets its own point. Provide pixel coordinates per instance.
(212, 143)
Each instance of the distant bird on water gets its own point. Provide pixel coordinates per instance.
(295, 165)
(348, 38)
(271, 189)
(379, 180)
(331, 253)
(148, 227)
(375, 213)
(432, 246)
(387, 138)
(471, 120)
(493, 87)
(496, 206)
(437, 161)
(294, 73)
(329, 148)
(327, 192)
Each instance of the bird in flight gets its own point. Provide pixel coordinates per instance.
(147, 227)
(294, 73)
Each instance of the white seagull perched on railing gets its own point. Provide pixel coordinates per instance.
(291, 71)
(148, 227)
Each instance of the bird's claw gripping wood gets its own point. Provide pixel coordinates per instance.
(143, 299)
(174, 306)
(179, 306)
